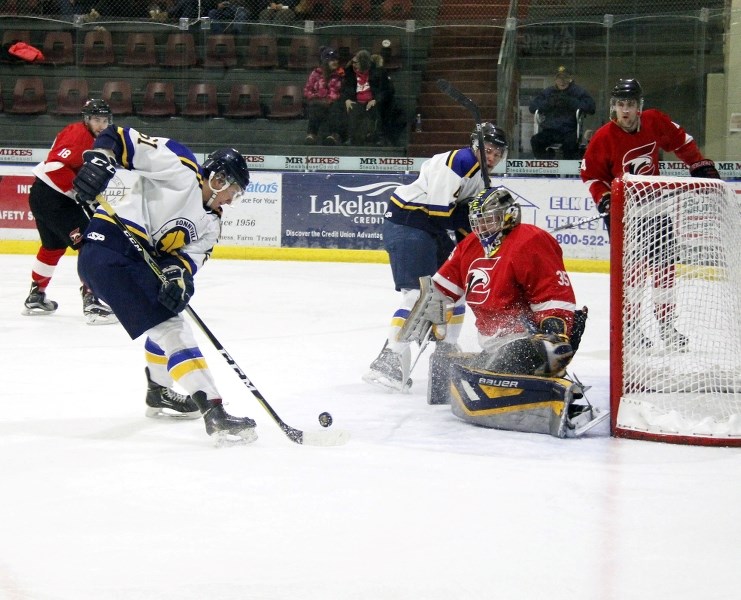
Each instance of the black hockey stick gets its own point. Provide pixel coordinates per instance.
(577, 223)
(448, 88)
(333, 437)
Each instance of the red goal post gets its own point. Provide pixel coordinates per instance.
(675, 310)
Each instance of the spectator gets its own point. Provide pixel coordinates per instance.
(392, 115)
(276, 12)
(558, 105)
(228, 18)
(322, 94)
(367, 92)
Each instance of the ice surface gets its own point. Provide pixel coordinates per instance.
(98, 502)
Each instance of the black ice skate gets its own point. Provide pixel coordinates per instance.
(388, 371)
(36, 304)
(673, 340)
(222, 426)
(164, 402)
(96, 313)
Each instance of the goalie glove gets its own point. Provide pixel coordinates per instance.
(704, 168)
(555, 353)
(428, 313)
(176, 292)
(93, 177)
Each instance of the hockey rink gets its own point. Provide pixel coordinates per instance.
(100, 503)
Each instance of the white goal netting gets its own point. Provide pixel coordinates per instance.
(680, 370)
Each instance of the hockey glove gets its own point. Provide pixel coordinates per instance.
(93, 177)
(555, 354)
(603, 207)
(176, 293)
(704, 168)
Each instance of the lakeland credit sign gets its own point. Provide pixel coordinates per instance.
(342, 211)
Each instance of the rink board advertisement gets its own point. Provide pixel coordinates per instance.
(331, 210)
(342, 210)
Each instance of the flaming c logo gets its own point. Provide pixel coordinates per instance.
(479, 278)
(639, 161)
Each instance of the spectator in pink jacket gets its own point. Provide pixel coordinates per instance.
(322, 94)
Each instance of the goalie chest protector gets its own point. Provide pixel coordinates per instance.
(513, 402)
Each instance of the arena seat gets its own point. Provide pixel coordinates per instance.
(244, 102)
(29, 97)
(159, 100)
(201, 101)
(71, 95)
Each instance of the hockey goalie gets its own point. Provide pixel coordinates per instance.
(513, 278)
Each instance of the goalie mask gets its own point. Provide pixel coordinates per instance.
(492, 214)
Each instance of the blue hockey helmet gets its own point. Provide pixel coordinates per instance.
(231, 163)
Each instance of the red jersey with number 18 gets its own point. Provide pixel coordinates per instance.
(521, 284)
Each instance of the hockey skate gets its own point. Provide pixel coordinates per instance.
(673, 340)
(224, 428)
(96, 313)
(390, 370)
(37, 305)
(165, 402)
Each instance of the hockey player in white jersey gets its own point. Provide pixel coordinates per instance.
(173, 207)
(417, 236)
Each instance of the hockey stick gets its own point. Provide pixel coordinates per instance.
(448, 88)
(317, 438)
(578, 223)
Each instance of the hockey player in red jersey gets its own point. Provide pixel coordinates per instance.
(513, 278)
(60, 221)
(416, 235)
(630, 143)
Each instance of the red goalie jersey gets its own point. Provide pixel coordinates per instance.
(512, 291)
(613, 151)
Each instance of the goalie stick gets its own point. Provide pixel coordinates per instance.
(448, 88)
(334, 437)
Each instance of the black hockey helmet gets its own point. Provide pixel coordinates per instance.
(491, 134)
(97, 108)
(492, 213)
(231, 163)
(628, 88)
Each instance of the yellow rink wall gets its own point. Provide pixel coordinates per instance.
(303, 254)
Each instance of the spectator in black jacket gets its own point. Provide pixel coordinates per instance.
(557, 106)
(367, 92)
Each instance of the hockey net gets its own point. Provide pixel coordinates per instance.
(675, 347)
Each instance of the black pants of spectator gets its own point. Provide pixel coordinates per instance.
(363, 125)
(543, 139)
(326, 119)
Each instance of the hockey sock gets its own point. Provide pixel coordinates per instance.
(157, 363)
(44, 265)
(408, 298)
(185, 363)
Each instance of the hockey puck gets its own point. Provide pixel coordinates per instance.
(386, 43)
(325, 419)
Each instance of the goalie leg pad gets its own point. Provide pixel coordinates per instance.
(429, 309)
(524, 403)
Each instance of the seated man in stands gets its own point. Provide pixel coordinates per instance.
(557, 106)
